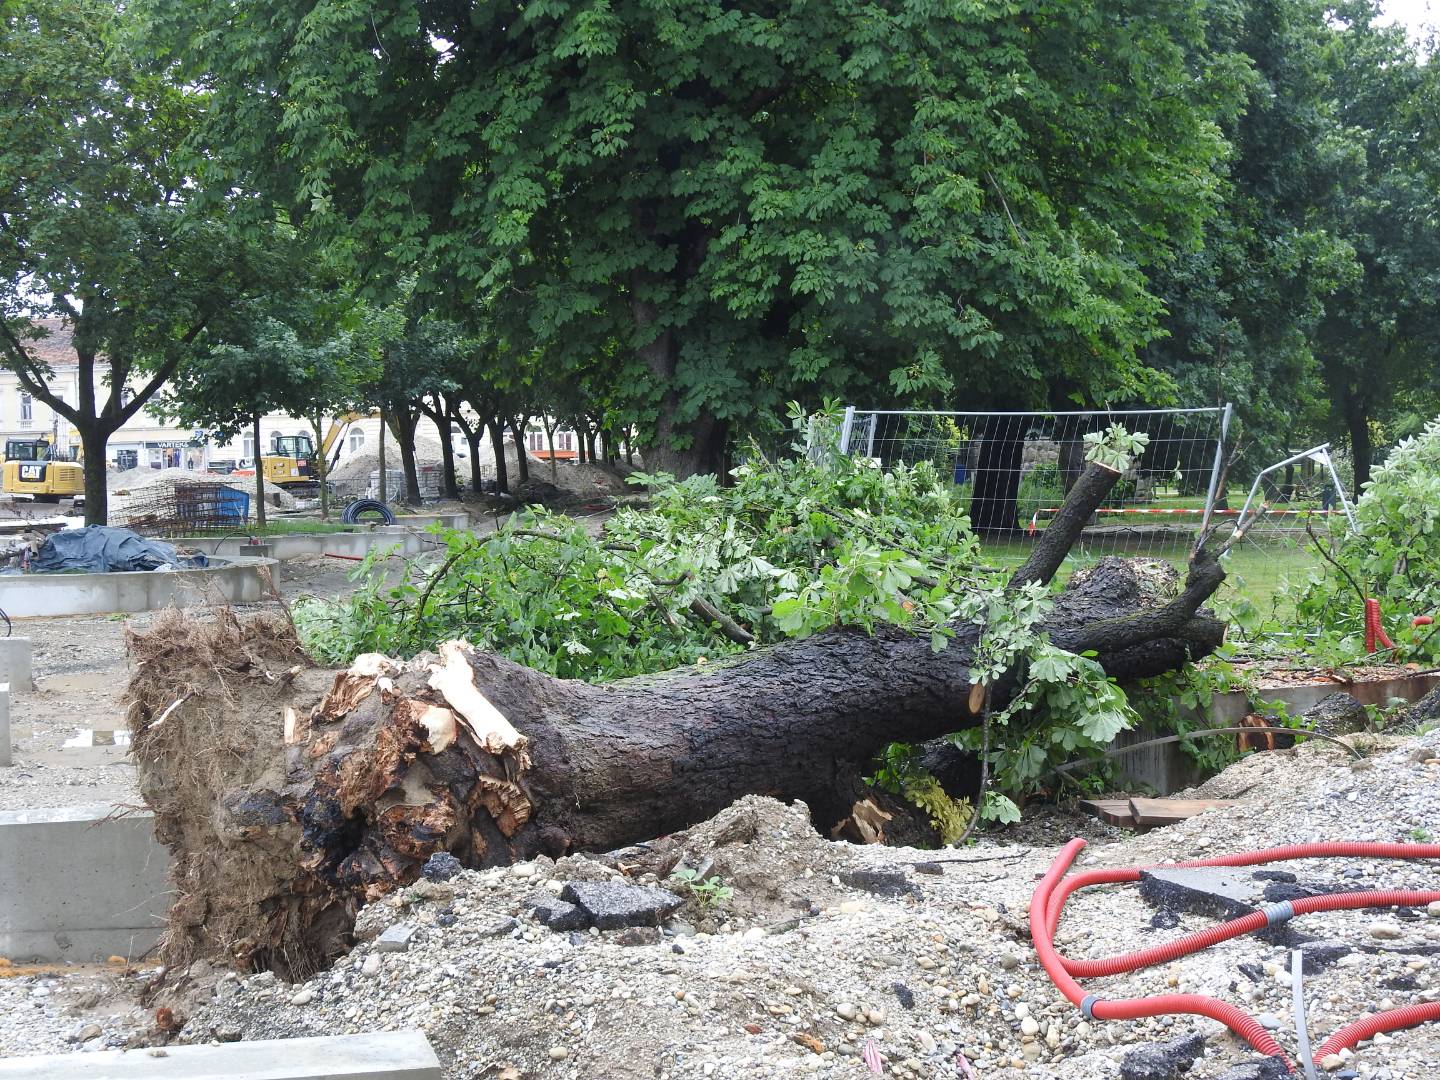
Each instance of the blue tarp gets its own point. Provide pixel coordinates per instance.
(97, 549)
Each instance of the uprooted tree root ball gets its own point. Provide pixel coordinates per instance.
(199, 709)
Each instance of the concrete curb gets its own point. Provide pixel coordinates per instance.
(382, 1055)
(239, 581)
(80, 885)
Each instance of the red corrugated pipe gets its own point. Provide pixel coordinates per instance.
(1374, 628)
(1049, 900)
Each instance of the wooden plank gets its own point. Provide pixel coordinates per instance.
(1150, 812)
(1113, 811)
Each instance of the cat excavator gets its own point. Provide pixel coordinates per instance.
(34, 468)
(291, 461)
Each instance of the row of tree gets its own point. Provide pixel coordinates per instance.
(666, 220)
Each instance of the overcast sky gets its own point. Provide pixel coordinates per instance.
(1417, 15)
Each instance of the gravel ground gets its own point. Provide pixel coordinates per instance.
(798, 970)
(81, 672)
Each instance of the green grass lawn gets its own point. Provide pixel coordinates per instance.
(277, 527)
(1256, 571)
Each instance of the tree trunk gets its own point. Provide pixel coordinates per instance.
(497, 443)
(380, 454)
(549, 424)
(681, 447)
(1360, 450)
(97, 490)
(259, 474)
(404, 420)
(997, 479)
(447, 450)
(522, 456)
(322, 464)
(472, 440)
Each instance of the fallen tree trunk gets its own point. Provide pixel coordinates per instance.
(292, 795)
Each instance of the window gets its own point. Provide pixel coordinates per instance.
(126, 396)
(565, 440)
(535, 441)
(249, 451)
(27, 408)
(357, 441)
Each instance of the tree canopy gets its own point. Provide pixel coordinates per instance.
(751, 201)
(99, 226)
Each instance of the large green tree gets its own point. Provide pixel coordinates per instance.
(1380, 336)
(929, 198)
(99, 227)
(227, 389)
(1242, 310)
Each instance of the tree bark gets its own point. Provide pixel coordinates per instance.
(497, 443)
(404, 420)
(380, 488)
(322, 463)
(441, 418)
(259, 473)
(472, 441)
(473, 433)
(997, 479)
(97, 490)
(522, 455)
(1360, 450)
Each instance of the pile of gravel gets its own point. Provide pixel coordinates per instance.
(827, 947)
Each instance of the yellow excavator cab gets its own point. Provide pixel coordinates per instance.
(32, 468)
(291, 462)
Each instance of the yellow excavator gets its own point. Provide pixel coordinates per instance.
(291, 461)
(33, 467)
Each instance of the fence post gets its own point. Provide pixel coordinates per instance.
(870, 442)
(845, 426)
(1215, 469)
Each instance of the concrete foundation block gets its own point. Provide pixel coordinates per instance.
(80, 885)
(6, 757)
(17, 664)
(387, 1055)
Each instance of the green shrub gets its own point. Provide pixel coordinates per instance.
(1394, 557)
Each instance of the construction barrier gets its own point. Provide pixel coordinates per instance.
(1047, 510)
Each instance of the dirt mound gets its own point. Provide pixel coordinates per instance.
(766, 851)
(427, 452)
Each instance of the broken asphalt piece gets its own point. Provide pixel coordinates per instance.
(1270, 1068)
(1221, 892)
(558, 914)
(1162, 1061)
(1338, 714)
(396, 938)
(613, 905)
(880, 882)
(1319, 955)
(442, 866)
(1218, 891)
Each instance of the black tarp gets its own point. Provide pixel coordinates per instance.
(97, 549)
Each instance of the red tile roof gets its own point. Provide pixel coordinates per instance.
(55, 348)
